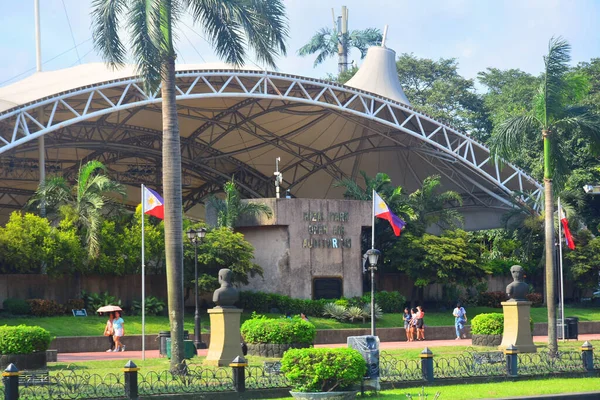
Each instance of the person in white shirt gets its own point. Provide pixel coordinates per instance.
(460, 319)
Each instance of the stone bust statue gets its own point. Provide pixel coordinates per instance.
(517, 289)
(226, 295)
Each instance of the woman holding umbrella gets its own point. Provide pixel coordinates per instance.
(109, 332)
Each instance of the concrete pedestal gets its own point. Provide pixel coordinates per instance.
(517, 330)
(225, 338)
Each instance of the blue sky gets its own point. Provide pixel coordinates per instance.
(479, 33)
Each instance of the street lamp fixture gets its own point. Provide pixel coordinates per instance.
(373, 256)
(196, 237)
(591, 189)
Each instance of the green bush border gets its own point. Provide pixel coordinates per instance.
(261, 329)
(23, 339)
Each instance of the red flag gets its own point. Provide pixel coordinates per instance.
(568, 236)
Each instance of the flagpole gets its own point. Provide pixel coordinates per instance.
(372, 267)
(560, 264)
(143, 281)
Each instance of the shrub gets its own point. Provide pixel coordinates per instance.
(75, 304)
(536, 299)
(23, 339)
(356, 313)
(342, 302)
(335, 311)
(491, 299)
(45, 308)
(491, 324)
(488, 324)
(367, 311)
(154, 306)
(322, 369)
(16, 306)
(264, 302)
(390, 302)
(261, 329)
(94, 301)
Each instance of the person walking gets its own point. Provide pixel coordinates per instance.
(406, 319)
(460, 319)
(420, 324)
(119, 331)
(108, 332)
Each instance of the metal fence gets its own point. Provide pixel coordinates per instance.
(131, 383)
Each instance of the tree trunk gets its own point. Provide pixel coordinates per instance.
(549, 240)
(171, 152)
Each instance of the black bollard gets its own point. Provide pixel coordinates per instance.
(587, 355)
(426, 357)
(10, 376)
(131, 380)
(238, 366)
(512, 355)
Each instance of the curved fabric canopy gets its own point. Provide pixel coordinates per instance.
(237, 122)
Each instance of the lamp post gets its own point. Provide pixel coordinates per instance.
(196, 236)
(373, 256)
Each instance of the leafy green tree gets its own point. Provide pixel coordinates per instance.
(28, 241)
(89, 198)
(451, 258)
(431, 206)
(437, 88)
(230, 209)
(584, 261)
(326, 43)
(224, 248)
(556, 112)
(230, 26)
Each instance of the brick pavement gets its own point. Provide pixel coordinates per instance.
(432, 344)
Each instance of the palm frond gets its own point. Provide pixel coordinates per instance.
(147, 40)
(324, 42)
(54, 192)
(363, 39)
(581, 117)
(105, 30)
(557, 65)
(255, 210)
(83, 177)
(509, 134)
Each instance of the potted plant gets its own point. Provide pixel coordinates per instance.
(24, 346)
(271, 337)
(321, 373)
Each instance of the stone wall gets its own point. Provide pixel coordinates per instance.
(306, 239)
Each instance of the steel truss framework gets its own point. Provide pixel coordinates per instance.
(79, 118)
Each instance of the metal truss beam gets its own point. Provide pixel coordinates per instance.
(24, 123)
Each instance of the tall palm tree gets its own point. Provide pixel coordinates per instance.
(230, 209)
(328, 42)
(556, 114)
(230, 25)
(89, 198)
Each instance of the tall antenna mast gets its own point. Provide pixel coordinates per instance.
(38, 68)
(385, 28)
(278, 177)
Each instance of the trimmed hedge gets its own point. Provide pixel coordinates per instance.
(16, 306)
(261, 329)
(23, 339)
(46, 308)
(322, 369)
(490, 324)
(261, 302)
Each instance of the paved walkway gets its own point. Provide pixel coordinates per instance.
(137, 355)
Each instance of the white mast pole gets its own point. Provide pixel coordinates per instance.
(143, 280)
(560, 263)
(385, 29)
(372, 267)
(40, 115)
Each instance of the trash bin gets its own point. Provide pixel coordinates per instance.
(368, 347)
(573, 328)
(189, 349)
(162, 344)
(559, 330)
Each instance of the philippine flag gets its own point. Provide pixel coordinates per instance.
(153, 204)
(568, 236)
(381, 210)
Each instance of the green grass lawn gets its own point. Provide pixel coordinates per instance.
(94, 325)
